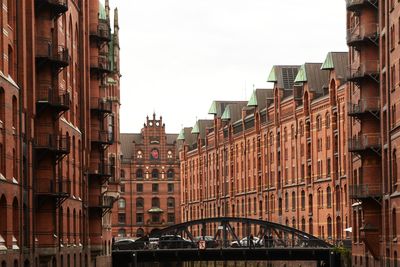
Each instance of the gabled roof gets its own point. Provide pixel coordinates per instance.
(337, 61)
(200, 127)
(181, 135)
(217, 107)
(312, 74)
(283, 75)
(233, 112)
(259, 98)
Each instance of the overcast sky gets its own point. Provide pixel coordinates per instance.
(177, 56)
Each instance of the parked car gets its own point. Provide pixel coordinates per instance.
(127, 244)
(244, 242)
(175, 241)
(153, 242)
(210, 241)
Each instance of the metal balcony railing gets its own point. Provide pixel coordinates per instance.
(102, 202)
(59, 99)
(103, 137)
(101, 105)
(365, 191)
(47, 51)
(59, 144)
(102, 169)
(365, 142)
(364, 105)
(367, 68)
(57, 6)
(363, 32)
(101, 31)
(100, 64)
(61, 188)
(354, 5)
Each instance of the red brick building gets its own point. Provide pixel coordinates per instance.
(281, 156)
(150, 181)
(374, 142)
(59, 151)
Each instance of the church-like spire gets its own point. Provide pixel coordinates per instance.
(107, 7)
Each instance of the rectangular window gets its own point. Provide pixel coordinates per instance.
(139, 218)
(122, 187)
(154, 188)
(121, 218)
(171, 217)
(393, 77)
(170, 188)
(139, 188)
(328, 167)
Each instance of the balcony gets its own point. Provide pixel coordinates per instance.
(363, 33)
(48, 53)
(100, 64)
(365, 106)
(364, 191)
(102, 137)
(100, 105)
(102, 202)
(100, 32)
(58, 7)
(364, 143)
(366, 69)
(356, 5)
(56, 99)
(101, 170)
(113, 189)
(56, 144)
(51, 188)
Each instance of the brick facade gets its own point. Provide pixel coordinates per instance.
(281, 156)
(150, 181)
(56, 80)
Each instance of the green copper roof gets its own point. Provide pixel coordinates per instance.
(102, 11)
(253, 100)
(181, 135)
(213, 108)
(272, 76)
(196, 129)
(227, 114)
(301, 75)
(328, 63)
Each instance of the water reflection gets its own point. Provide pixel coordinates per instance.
(231, 264)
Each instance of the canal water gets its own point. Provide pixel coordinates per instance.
(232, 264)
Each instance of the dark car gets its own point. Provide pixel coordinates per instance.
(128, 244)
(174, 241)
(210, 241)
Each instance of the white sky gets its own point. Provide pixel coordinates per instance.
(177, 56)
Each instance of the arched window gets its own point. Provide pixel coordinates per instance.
(395, 174)
(139, 174)
(121, 203)
(280, 206)
(154, 174)
(329, 227)
(286, 201)
(394, 223)
(293, 201)
(139, 203)
(170, 174)
(310, 226)
(272, 203)
(301, 127)
(303, 200)
(303, 224)
(319, 123)
(155, 202)
(3, 218)
(329, 197)
(15, 219)
(170, 202)
(327, 120)
(310, 203)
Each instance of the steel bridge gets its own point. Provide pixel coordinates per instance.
(227, 239)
